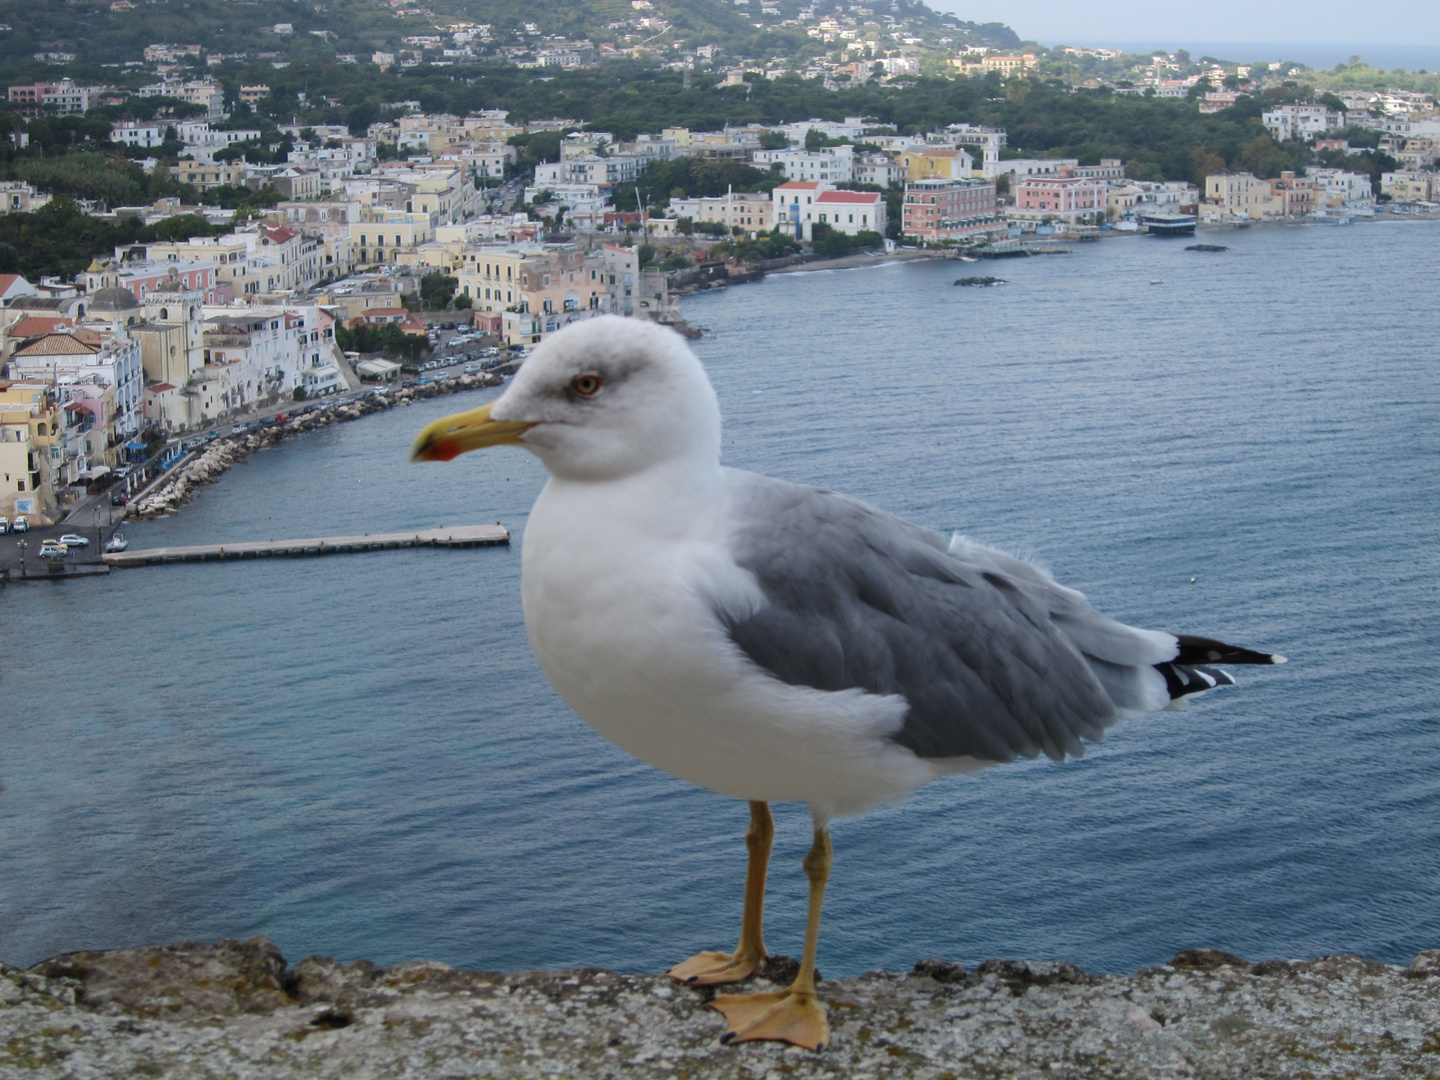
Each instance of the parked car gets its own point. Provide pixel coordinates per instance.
(53, 549)
(472, 369)
(74, 540)
(20, 524)
(119, 498)
(4, 525)
(239, 429)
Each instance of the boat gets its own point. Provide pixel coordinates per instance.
(1169, 224)
(117, 543)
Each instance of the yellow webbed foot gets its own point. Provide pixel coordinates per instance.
(715, 968)
(793, 1016)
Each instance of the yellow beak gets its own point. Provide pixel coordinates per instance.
(451, 436)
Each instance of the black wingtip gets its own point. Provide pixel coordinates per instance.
(1199, 650)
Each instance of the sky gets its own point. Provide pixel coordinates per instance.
(1413, 23)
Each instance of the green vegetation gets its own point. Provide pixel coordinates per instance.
(832, 243)
(59, 239)
(692, 178)
(436, 289)
(388, 339)
(98, 36)
(764, 246)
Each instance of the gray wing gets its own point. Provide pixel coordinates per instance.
(994, 658)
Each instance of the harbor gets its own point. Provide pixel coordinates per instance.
(460, 536)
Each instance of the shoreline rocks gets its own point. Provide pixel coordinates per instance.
(236, 1009)
(179, 486)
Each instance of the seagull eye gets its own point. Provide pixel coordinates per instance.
(585, 385)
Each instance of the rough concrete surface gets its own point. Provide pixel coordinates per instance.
(236, 1010)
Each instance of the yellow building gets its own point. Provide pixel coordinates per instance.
(204, 175)
(937, 163)
(28, 440)
(528, 293)
(382, 235)
(1008, 65)
(19, 473)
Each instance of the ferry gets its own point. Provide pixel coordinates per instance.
(1170, 224)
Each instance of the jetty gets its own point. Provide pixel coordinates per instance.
(459, 536)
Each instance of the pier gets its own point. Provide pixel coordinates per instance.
(459, 536)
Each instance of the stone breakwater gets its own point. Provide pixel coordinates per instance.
(237, 1010)
(178, 486)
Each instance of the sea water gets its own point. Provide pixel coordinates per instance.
(359, 757)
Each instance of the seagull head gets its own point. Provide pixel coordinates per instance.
(601, 399)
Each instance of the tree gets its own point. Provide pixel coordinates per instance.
(774, 140)
(1207, 163)
(436, 289)
(814, 139)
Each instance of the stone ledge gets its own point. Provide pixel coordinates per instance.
(235, 1009)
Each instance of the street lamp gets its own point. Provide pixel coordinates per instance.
(97, 527)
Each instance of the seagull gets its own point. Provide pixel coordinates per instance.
(773, 641)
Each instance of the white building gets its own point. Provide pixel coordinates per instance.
(828, 165)
(749, 211)
(205, 92)
(1336, 187)
(793, 209)
(1301, 121)
(583, 205)
(851, 211)
(878, 169)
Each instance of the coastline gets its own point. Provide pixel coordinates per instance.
(238, 1009)
(177, 487)
(846, 262)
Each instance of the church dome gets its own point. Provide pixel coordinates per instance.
(113, 299)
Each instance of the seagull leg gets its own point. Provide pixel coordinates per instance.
(792, 1015)
(713, 968)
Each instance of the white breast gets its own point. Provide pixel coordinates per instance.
(620, 612)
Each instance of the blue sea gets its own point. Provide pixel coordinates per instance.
(1321, 56)
(359, 757)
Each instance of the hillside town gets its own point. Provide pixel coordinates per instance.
(370, 234)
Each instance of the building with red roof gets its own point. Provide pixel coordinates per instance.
(851, 211)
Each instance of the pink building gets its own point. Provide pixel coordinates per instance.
(1075, 200)
(950, 210)
(144, 278)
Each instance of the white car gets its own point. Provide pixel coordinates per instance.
(74, 540)
(4, 525)
(21, 524)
